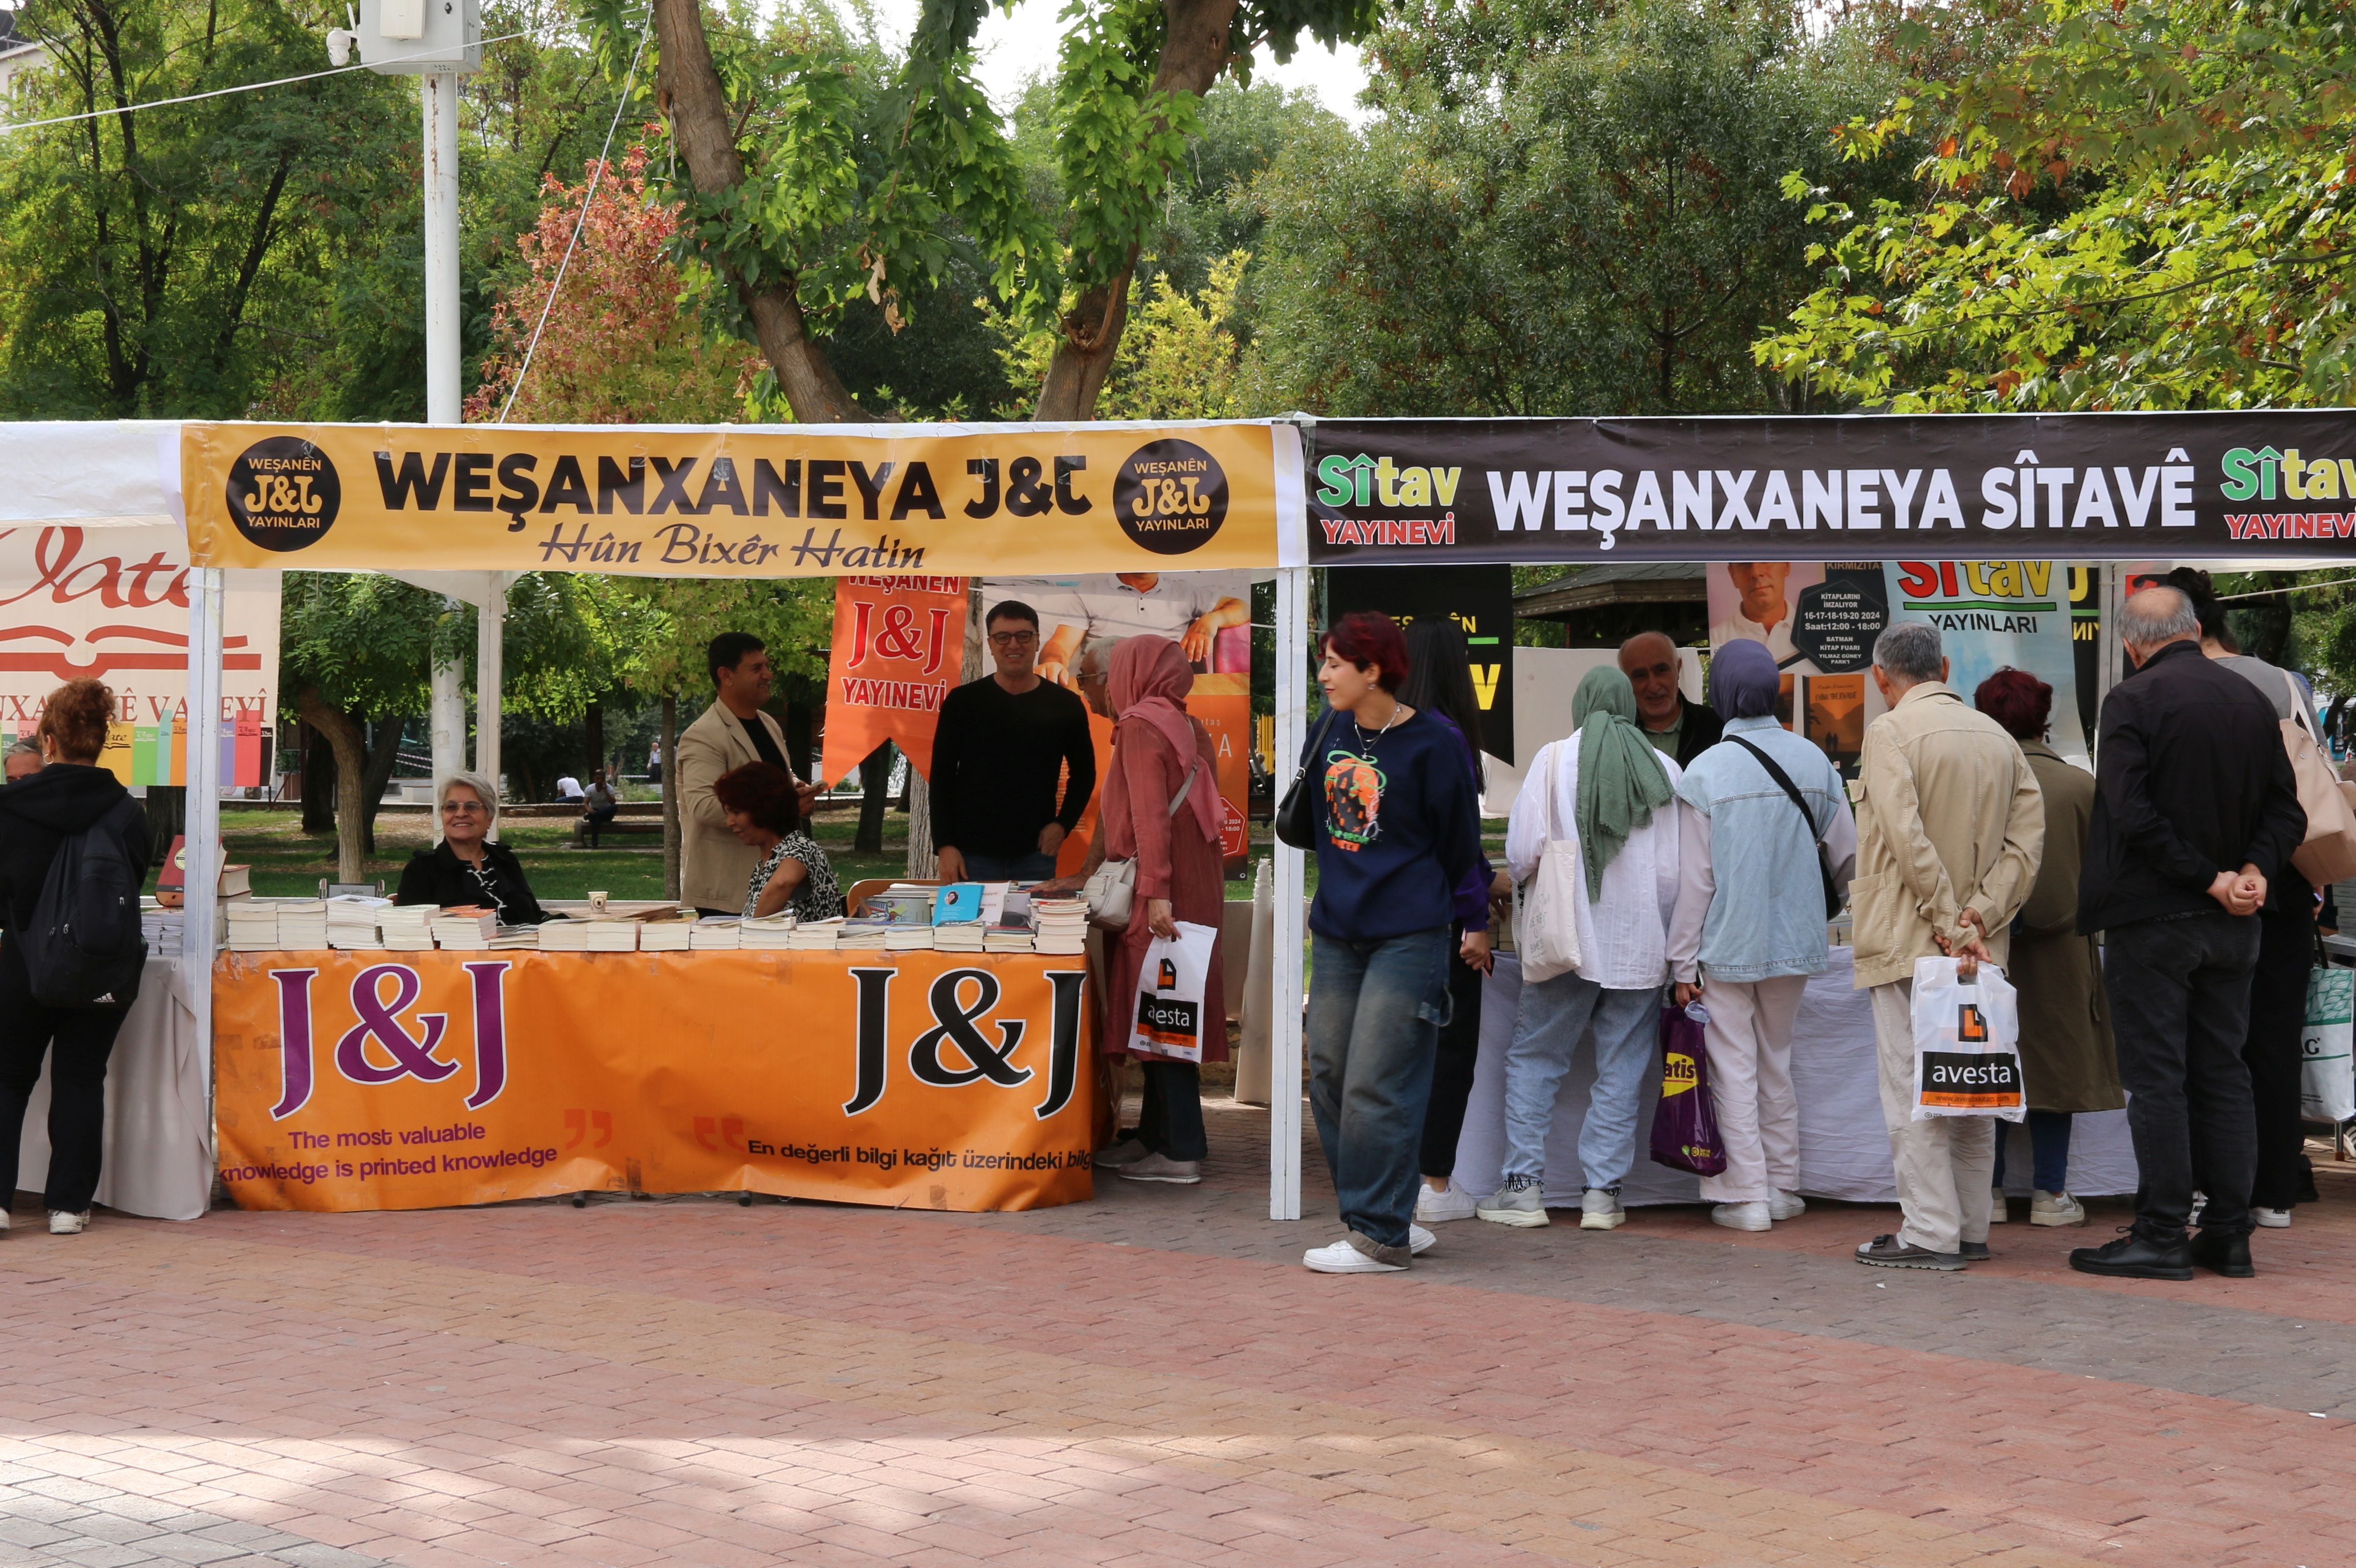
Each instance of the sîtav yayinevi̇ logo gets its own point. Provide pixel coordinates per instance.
(1171, 496)
(284, 492)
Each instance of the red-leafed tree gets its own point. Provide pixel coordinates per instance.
(621, 346)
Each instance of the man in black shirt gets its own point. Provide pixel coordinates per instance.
(1002, 744)
(1678, 728)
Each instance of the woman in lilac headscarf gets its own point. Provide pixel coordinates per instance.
(1750, 925)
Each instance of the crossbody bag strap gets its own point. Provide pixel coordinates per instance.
(1790, 789)
(1180, 798)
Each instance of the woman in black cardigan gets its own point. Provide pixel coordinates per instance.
(467, 867)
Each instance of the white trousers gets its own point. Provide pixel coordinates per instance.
(1943, 1164)
(1749, 1042)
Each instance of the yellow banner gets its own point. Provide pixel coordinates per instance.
(728, 502)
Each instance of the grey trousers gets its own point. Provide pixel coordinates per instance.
(1946, 1165)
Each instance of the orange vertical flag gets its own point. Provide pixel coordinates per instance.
(899, 645)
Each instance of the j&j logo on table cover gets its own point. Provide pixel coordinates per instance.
(1171, 496)
(283, 493)
(958, 1029)
(380, 1049)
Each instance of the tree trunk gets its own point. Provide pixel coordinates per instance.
(688, 95)
(1192, 56)
(595, 721)
(351, 771)
(384, 756)
(318, 784)
(874, 781)
(672, 844)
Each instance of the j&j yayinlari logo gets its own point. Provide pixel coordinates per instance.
(284, 492)
(1171, 496)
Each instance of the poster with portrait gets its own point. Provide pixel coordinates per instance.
(1819, 619)
(1206, 613)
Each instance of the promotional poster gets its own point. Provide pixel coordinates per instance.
(899, 645)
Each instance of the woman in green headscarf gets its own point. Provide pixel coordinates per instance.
(1607, 796)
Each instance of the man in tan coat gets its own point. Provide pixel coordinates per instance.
(1950, 827)
(715, 868)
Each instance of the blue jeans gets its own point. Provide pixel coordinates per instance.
(1036, 867)
(1556, 1015)
(2049, 1147)
(1375, 1014)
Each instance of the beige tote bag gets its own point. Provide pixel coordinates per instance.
(1546, 932)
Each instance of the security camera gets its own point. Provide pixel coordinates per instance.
(341, 39)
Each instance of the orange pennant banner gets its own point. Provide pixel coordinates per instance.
(899, 646)
(374, 1080)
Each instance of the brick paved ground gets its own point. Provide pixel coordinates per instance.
(1152, 1379)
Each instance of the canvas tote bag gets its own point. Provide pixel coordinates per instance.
(1546, 932)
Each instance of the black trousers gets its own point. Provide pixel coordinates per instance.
(83, 1039)
(2272, 1053)
(595, 821)
(1170, 1123)
(2180, 994)
(1452, 1069)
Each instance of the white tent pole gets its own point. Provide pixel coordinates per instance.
(199, 933)
(1291, 879)
(490, 650)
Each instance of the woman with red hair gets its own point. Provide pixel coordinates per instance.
(2068, 1060)
(763, 810)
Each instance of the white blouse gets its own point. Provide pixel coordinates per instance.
(1623, 935)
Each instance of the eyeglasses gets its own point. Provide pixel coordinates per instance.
(1012, 639)
(461, 807)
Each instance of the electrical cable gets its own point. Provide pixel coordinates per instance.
(596, 173)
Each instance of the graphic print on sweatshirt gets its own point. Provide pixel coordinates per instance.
(1354, 799)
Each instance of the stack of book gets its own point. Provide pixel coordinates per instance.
(464, 928)
(612, 935)
(407, 928)
(511, 938)
(164, 929)
(252, 926)
(816, 935)
(563, 935)
(1006, 939)
(666, 935)
(907, 939)
(302, 924)
(768, 932)
(352, 921)
(715, 934)
(900, 905)
(1062, 925)
(963, 936)
(865, 935)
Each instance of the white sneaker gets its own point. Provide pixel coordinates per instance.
(2055, 1209)
(3, 1221)
(1418, 1241)
(1997, 1213)
(1785, 1205)
(1438, 1208)
(1341, 1257)
(64, 1224)
(1741, 1216)
(2272, 1219)
(1600, 1210)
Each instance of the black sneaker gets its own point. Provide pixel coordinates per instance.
(2222, 1253)
(1889, 1252)
(2134, 1256)
(1975, 1251)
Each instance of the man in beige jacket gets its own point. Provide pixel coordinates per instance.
(715, 868)
(1950, 827)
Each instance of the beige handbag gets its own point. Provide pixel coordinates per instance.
(2328, 854)
(1546, 930)
(1113, 888)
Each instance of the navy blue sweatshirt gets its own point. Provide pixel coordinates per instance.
(1398, 828)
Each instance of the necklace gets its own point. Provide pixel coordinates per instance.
(1367, 747)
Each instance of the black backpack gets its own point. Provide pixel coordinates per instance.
(84, 947)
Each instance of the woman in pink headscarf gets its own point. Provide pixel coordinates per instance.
(1157, 748)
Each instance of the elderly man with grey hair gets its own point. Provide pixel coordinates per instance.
(2196, 809)
(23, 760)
(1950, 826)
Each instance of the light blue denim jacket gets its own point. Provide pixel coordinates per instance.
(1763, 914)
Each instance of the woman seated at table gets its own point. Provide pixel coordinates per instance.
(763, 811)
(467, 867)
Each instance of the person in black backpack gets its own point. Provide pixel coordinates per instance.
(71, 795)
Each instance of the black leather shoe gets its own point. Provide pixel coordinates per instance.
(2136, 1257)
(1975, 1251)
(2222, 1253)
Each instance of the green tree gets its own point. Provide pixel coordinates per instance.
(2142, 205)
(1558, 208)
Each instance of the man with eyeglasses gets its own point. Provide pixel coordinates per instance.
(1002, 744)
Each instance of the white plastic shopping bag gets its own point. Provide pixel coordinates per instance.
(2327, 1084)
(1966, 1044)
(1170, 985)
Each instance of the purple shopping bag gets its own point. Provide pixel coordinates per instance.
(1685, 1127)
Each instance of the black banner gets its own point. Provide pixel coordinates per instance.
(1967, 486)
(1478, 598)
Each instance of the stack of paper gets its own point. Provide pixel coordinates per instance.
(816, 935)
(666, 936)
(1062, 923)
(771, 932)
(612, 935)
(965, 936)
(512, 938)
(465, 929)
(713, 933)
(908, 939)
(1006, 939)
(565, 936)
(252, 926)
(352, 921)
(407, 928)
(162, 928)
(302, 923)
